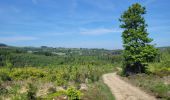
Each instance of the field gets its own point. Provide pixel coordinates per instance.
(55, 73)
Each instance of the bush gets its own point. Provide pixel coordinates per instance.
(4, 76)
(161, 90)
(98, 91)
(160, 69)
(31, 93)
(152, 83)
(56, 94)
(58, 75)
(73, 94)
(25, 73)
(3, 91)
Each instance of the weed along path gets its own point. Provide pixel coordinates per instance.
(123, 90)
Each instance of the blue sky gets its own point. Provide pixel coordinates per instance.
(77, 23)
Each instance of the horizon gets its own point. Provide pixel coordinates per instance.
(77, 24)
(70, 47)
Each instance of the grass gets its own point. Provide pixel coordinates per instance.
(153, 84)
(98, 91)
(50, 79)
(161, 69)
(156, 81)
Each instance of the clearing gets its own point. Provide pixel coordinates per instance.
(123, 90)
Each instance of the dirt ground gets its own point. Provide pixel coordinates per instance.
(123, 90)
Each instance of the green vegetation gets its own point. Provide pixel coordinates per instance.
(137, 50)
(29, 73)
(54, 73)
(161, 67)
(40, 57)
(152, 84)
(139, 56)
(98, 91)
(31, 93)
(63, 76)
(157, 79)
(73, 94)
(37, 76)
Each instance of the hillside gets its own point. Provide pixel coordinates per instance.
(56, 73)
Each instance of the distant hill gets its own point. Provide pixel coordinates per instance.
(3, 45)
(165, 47)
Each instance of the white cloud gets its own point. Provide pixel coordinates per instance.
(99, 31)
(17, 38)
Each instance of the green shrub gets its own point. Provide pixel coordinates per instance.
(52, 90)
(161, 90)
(56, 94)
(14, 89)
(31, 93)
(70, 75)
(22, 96)
(25, 73)
(3, 91)
(160, 69)
(4, 76)
(73, 94)
(98, 91)
(152, 83)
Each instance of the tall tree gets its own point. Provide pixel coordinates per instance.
(137, 48)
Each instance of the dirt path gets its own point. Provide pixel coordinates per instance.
(123, 90)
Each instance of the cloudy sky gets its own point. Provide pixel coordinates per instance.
(77, 23)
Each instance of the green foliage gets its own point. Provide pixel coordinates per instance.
(56, 75)
(31, 93)
(161, 69)
(25, 73)
(59, 75)
(3, 91)
(14, 89)
(73, 94)
(12, 92)
(4, 77)
(56, 94)
(137, 50)
(153, 84)
(162, 66)
(161, 90)
(22, 96)
(40, 57)
(8, 64)
(58, 67)
(98, 91)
